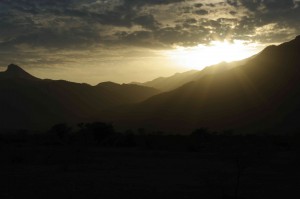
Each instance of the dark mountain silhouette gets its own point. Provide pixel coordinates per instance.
(179, 79)
(172, 82)
(29, 102)
(130, 93)
(263, 95)
(14, 71)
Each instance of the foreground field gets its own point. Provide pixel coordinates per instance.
(94, 172)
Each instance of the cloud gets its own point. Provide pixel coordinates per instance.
(69, 25)
(83, 23)
(146, 21)
(201, 12)
(263, 13)
(198, 5)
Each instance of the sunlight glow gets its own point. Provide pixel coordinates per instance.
(201, 56)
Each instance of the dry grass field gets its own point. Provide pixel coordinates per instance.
(96, 172)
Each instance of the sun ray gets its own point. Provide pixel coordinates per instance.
(217, 51)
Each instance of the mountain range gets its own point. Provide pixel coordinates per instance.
(30, 102)
(256, 95)
(179, 79)
(260, 95)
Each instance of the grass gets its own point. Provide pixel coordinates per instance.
(97, 172)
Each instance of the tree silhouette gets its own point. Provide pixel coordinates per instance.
(100, 130)
(60, 130)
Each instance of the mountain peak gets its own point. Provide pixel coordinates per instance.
(14, 68)
(108, 84)
(15, 71)
(297, 40)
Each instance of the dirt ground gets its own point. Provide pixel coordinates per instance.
(64, 172)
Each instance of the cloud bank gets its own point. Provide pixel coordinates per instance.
(51, 32)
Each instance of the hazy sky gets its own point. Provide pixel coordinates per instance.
(135, 40)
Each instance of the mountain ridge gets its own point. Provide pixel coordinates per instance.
(14, 71)
(178, 79)
(30, 102)
(258, 96)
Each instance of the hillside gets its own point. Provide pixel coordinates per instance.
(262, 95)
(179, 79)
(29, 102)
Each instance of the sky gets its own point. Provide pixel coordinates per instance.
(137, 40)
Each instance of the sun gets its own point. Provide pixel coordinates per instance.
(201, 56)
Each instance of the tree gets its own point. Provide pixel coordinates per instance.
(100, 130)
(60, 130)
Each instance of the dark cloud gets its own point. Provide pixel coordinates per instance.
(283, 13)
(233, 2)
(185, 34)
(201, 12)
(211, 5)
(269, 4)
(233, 12)
(149, 2)
(137, 38)
(189, 21)
(198, 5)
(113, 33)
(73, 24)
(147, 21)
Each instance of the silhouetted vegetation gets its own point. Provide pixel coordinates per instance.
(97, 147)
(200, 140)
(60, 130)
